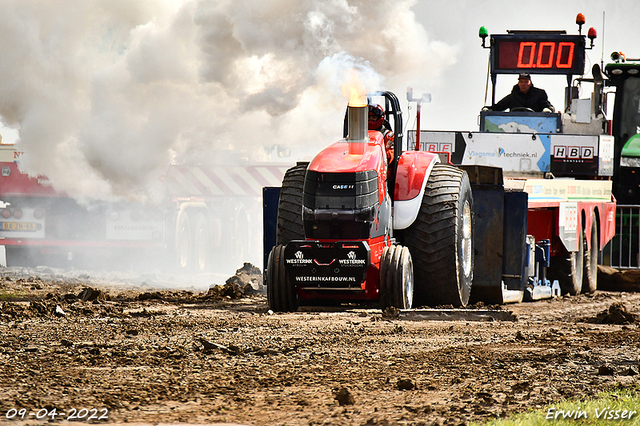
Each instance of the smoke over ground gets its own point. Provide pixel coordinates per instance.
(104, 94)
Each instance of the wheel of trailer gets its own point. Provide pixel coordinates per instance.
(590, 273)
(20, 256)
(441, 239)
(202, 244)
(568, 269)
(289, 225)
(281, 294)
(396, 277)
(240, 238)
(183, 241)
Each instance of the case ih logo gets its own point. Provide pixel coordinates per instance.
(342, 186)
(573, 152)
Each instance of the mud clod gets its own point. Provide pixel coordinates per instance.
(90, 294)
(391, 312)
(606, 370)
(616, 314)
(247, 281)
(345, 397)
(231, 290)
(405, 384)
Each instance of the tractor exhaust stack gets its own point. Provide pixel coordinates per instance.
(358, 130)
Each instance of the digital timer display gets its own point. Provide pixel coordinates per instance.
(539, 54)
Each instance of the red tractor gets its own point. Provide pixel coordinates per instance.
(358, 225)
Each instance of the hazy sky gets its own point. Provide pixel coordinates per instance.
(458, 98)
(102, 94)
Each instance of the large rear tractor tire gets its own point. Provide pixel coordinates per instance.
(441, 240)
(396, 278)
(568, 269)
(590, 273)
(289, 225)
(281, 294)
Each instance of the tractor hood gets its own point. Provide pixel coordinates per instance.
(344, 156)
(344, 195)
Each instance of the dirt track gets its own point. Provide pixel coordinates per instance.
(178, 356)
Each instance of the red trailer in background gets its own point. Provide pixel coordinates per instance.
(209, 216)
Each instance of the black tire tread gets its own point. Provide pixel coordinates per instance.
(385, 284)
(392, 281)
(394, 277)
(432, 238)
(590, 273)
(566, 270)
(404, 257)
(281, 295)
(289, 224)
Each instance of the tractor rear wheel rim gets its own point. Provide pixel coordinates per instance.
(408, 273)
(466, 239)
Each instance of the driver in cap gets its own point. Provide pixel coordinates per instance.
(525, 95)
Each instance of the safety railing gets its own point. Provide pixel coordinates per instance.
(623, 251)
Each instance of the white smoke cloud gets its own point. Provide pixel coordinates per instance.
(105, 93)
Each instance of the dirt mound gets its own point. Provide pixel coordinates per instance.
(175, 296)
(56, 306)
(248, 274)
(246, 281)
(616, 314)
(231, 290)
(611, 279)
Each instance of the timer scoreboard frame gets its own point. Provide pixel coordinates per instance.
(538, 53)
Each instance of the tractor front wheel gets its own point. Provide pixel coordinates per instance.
(183, 242)
(202, 245)
(590, 273)
(396, 277)
(568, 269)
(281, 294)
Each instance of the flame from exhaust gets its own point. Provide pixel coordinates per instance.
(354, 90)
